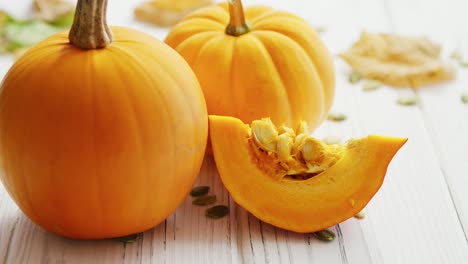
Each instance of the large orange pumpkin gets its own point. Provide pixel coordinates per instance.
(266, 63)
(100, 139)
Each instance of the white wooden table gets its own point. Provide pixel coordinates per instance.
(420, 215)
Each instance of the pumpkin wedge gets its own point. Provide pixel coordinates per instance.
(308, 187)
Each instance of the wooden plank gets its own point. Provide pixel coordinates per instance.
(8, 223)
(445, 117)
(400, 222)
(412, 192)
(400, 227)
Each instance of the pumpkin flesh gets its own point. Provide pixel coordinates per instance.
(326, 199)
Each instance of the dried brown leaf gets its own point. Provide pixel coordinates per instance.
(167, 13)
(52, 10)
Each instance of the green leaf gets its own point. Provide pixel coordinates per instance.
(5, 18)
(25, 34)
(64, 22)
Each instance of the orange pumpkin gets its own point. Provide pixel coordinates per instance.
(266, 63)
(100, 139)
(293, 181)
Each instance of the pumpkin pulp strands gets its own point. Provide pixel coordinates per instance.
(238, 25)
(90, 29)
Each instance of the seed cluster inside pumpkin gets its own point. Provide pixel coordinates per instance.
(287, 153)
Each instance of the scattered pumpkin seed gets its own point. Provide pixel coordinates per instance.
(127, 239)
(408, 100)
(337, 117)
(217, 211)
(459, 58)
(199, 191)
(325, 235)
(331, 140)
(464, 98)
(205, 200)
(456, 55)
(360, 215)
(354, 77)
(371, 85)
(320, 29)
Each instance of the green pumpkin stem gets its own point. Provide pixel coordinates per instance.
(238, 25)
(90, 29)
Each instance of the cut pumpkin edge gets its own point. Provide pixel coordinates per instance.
(329, 198)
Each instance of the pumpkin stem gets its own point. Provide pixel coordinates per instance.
(89, 29)
(238, 25)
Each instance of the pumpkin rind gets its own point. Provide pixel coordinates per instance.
(279, 69)
(324, 200)
(101, 143)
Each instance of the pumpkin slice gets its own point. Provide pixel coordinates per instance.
(305, 188)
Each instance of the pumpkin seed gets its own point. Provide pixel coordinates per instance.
(321, 29)
(360, 215)
(331, 140)
(312, 149)
(127, 239)
(408, 100)
(456, 56)
(205, 200)
(325, 235)
(265, 134)
(217, 211)
(459, 58)
(464, 98)
(284, 146)
(303, 128)
(354, 77)
(199, 191)
(371, 85)
(286, 130)
(337, 117)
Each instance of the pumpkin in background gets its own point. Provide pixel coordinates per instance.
(100, 139)
(291, 180)
(266, 63)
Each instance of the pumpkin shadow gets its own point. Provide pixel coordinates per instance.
(187, 230)
(25, 242)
